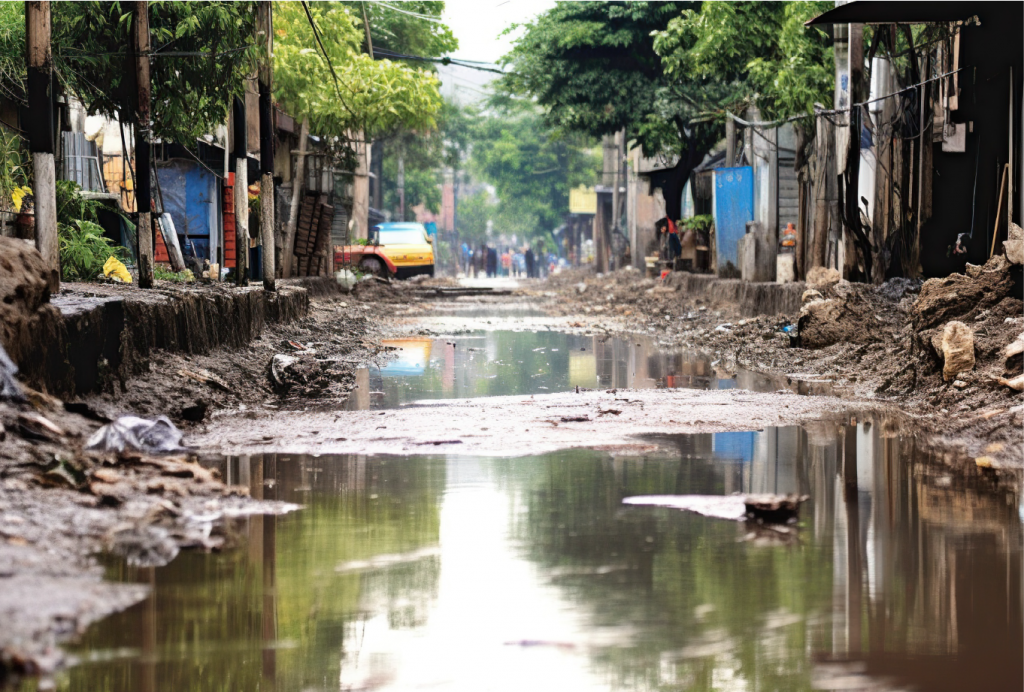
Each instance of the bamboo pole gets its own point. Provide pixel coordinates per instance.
(999, 210)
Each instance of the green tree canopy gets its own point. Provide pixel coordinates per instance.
(762, 49)
(408, 28)
(370, 97)
(592, 67)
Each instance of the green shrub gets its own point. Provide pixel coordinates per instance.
(164, 274)
(83, 250)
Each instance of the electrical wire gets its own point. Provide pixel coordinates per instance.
(428, 18)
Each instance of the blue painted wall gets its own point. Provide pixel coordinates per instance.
(733, 209)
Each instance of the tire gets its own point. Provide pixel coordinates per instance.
(430, 271)
(372, 265)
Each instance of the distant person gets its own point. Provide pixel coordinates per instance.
(492, 262)
(480, 261)
(506, 263)
(531, 263)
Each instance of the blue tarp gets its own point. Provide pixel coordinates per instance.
(733, 208)
(190, 196)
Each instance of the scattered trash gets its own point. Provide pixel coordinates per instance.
(581, 287)
(114, 269)
(1016, 383)
(575, 419)
(10, 389)
(131, 433)
(727, 327)
(346, 279)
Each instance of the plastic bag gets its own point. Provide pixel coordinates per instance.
(134, 434)
(10, 390)
(116, 267)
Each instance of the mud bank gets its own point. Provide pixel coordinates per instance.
(872, 343)
(105, 334)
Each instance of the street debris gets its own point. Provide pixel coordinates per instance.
(763, 509)
(134, 434)
(10, 388)
(957, 349)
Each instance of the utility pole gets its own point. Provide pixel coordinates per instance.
(241, 191)
(143, 193)
(401, 187)
(298, 181)
(265, 25)
(40, 132)
(730, 142)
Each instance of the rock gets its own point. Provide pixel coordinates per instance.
(1015, 252)
(581, 287)
(960, 384)
(957, 350)
(972, 270)
(822, 276)
(811, 295)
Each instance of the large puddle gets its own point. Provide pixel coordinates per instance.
(461, 573)
(535, 361)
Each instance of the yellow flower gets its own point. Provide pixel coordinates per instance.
(18, 195)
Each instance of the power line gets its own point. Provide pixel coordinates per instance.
(428, 18)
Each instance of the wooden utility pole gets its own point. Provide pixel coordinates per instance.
(730, 141)
(143, 121)
(241, 192)
(298, 182)
(265, 27)
(40, 132)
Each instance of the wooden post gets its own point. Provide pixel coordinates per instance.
(298, 182)
(40, 132)
(999, 210)
(265, 26)
(401, 187)
(241, 193)
(730, 141)
(143, 193)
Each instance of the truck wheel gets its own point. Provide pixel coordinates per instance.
(372, 265)
(430, 272)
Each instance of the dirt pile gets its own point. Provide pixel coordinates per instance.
(26, 316)
(852, 313)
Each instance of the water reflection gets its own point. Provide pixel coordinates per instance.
(464, 573)
(496, 363)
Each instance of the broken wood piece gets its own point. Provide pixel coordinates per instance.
(1016, 383)
(205, 377)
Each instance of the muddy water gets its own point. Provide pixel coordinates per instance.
(509, 362)
(461, 573)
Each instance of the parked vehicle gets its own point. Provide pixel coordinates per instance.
(394, 249)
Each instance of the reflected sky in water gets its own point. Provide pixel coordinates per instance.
(461, 573)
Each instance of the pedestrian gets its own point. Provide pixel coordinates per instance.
(506, 263)
(492, 262)
(531, 269)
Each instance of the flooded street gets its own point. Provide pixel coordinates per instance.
(464, 573)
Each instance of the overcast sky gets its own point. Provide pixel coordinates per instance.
(477, 24)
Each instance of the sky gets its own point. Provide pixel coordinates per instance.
(477, 25)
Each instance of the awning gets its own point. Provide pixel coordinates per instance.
(874, 12)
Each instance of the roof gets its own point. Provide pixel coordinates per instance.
(875, 12)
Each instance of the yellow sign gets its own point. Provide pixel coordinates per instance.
(583, 200)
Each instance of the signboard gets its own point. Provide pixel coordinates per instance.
(583, 200)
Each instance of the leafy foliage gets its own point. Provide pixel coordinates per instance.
(15, 168)
(372, 97)
(84, 249)
(754, 51)
(401, 32)
(190, 94)
(592, 67)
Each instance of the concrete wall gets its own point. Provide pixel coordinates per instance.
(752, 298)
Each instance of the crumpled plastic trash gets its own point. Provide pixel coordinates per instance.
(115, 267)
(10, 390)
(134, 434)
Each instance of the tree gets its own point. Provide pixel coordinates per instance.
(762, 48)
(204, 51)
(592, 67)
(414, 28)
(531, 166)
(325, 76)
